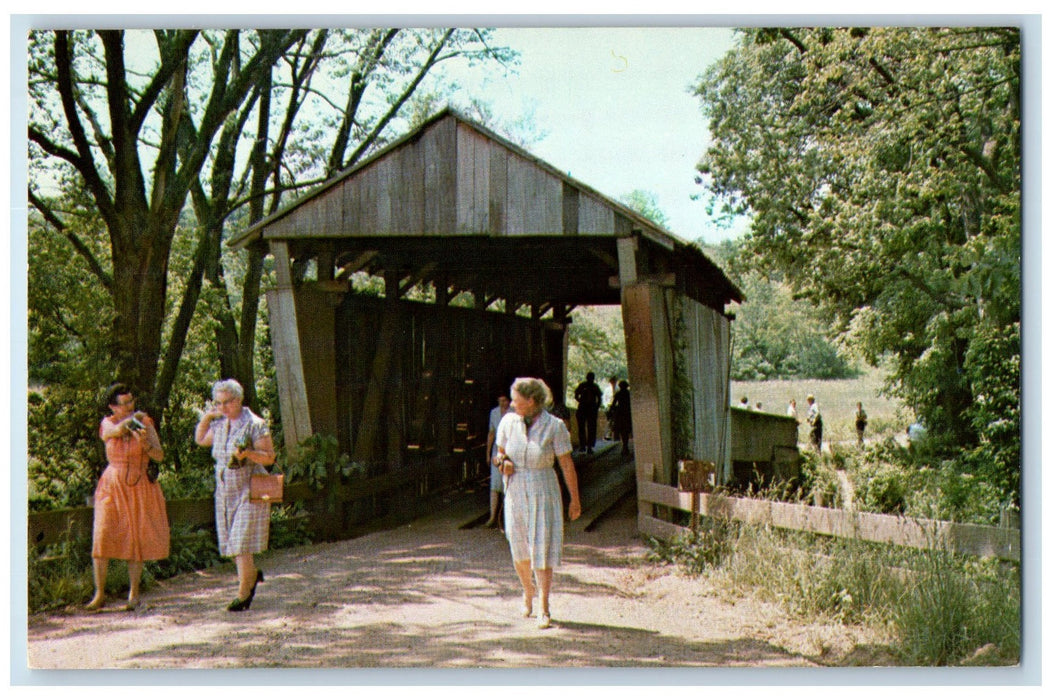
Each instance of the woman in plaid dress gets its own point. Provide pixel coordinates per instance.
(241, 445)
(529, 442)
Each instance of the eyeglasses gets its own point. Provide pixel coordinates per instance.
(225, 402)
(126, 402)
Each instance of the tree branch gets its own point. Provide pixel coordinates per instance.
(82, 249)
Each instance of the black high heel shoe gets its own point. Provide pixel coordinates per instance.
(238, 605)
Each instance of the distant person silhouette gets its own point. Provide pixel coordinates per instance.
(588, 396)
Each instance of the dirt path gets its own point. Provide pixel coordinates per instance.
(432, 595)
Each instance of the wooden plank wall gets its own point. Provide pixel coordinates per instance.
(315, 314)
(460, 357)
(451, 179)
(977, 540)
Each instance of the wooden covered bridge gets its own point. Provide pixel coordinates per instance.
(483, 251)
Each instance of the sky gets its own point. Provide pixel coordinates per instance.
(615, 108)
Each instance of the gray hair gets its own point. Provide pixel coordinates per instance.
(533, 388)
(230, 387)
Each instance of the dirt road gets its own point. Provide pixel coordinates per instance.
(432, 595)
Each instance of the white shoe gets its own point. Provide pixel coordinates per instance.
(544, 622)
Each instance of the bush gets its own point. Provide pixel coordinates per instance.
(819, 483)
(317, 458)
(698, 550)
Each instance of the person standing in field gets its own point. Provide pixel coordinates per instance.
(814, 419)
(860, 424)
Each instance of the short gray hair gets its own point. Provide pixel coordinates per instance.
(230, 387)
(533, 388)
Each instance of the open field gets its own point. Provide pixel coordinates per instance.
(837, 399)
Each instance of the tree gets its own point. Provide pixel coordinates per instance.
(235, 119)
(112, 126)
(881, 167)
(646, 204)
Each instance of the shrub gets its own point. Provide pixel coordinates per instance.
(317, 458)
(697, 550)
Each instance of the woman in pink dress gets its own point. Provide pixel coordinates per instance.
(131, 521)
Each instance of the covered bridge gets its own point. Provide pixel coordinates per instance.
(484, 251)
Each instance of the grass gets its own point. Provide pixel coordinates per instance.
(837, 399)
(938, 608)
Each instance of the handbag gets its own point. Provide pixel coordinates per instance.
(266, 488)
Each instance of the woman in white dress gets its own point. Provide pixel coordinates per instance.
(529, 442)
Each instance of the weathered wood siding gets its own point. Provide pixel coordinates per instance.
(755, 434)
(453, 179)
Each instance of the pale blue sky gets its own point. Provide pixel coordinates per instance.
(616, 109)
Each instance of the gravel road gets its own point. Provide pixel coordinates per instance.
(432, 595)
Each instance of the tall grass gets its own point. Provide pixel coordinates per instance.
(837, 399)
(939, 608)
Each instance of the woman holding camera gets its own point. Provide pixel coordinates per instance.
(529, 442)
(131, 521)
(241, 446)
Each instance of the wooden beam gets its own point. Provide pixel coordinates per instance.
(288, 360)
(360, 261)
(413, 279)
(627, 267)
(604, 257)
(664, 279)
(649, 372)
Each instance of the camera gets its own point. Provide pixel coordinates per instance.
(135, 425)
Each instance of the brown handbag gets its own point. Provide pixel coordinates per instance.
(266, 488)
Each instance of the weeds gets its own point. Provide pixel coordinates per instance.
(942, 608)
(698, 550)
(61, 575)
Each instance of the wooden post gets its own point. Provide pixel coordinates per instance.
(649, 371)
(649, 351)
(288, 361)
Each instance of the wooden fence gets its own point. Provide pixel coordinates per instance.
(979, 540)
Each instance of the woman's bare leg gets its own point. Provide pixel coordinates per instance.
(246, 575)
(544, 582)
(99, 567)
(134, 579)
(522, 568)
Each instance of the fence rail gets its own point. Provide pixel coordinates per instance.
(979, 540)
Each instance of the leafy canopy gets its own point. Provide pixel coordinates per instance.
(881, 169)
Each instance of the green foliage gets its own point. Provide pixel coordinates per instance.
(992, 365)
(596, 344)
(191, 549)
(59, 575)
(953, 606)
(318, 459)
(777, 336)
(882, 171)
(645, 203)
(943, 609)
(698, 550)
(819, 484)
(66, 455)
